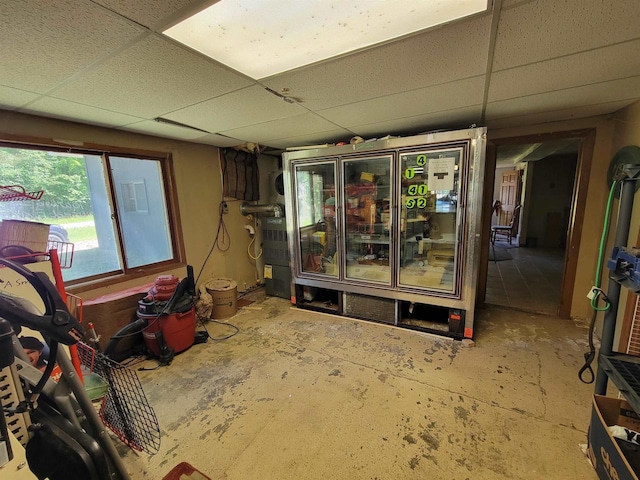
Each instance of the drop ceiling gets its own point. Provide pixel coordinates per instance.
(106, 63)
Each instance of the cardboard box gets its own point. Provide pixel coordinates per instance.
(628, 417)
(111, 312)
(612, 460)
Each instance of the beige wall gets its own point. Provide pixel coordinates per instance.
(198, 183)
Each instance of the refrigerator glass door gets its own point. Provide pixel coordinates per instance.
(429, 219)
(367, 212)
(316, 218)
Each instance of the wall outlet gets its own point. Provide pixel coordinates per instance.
(225, 207)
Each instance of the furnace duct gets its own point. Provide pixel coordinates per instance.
(272, 210)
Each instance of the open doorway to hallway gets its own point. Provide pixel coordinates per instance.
(525, 269)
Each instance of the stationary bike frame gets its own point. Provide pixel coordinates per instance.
(68, 395)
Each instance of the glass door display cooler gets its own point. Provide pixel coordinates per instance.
(315, 215)
(367, 203)
(430, 222)
(389, 230)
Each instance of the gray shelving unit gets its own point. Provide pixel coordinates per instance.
(623, 370)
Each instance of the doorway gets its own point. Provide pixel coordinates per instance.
(526, 271)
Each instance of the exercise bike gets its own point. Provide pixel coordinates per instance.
(67, 439)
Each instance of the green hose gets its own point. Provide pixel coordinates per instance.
(603, 240)
(596, 292)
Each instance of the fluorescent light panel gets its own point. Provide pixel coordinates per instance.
(261, 38)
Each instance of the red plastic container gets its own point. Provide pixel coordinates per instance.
(163, 288)
(167, 280)
(178, 330)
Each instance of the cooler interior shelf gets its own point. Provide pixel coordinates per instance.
(624, 371)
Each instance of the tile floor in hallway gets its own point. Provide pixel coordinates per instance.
(298, 395)
(525, 278)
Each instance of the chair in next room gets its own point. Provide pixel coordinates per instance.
(509, 231)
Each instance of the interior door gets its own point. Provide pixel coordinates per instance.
(510, 188)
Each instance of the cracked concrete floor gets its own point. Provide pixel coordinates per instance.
(303, 395)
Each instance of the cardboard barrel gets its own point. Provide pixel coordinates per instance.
(33, 236)
(224, 293)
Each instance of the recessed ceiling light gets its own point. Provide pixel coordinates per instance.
(261, 38)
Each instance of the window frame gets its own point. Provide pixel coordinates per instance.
(165, 160)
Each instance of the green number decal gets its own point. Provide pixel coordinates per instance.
(409, 173)
(410, 203)
(422, 189)
(421, 160)
(422, 202)
(412, 190)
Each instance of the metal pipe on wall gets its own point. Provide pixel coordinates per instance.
(273, 210)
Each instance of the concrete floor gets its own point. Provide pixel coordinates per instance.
(305, 395)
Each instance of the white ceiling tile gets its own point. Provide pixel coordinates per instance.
(244, 107)
(12, 98)
(153, 77)
(148, 12)
(331, 136)
(409, 104)
(511, 3)
(297, 126)
(431, 58)
(610, 63)
(56, 108)
(163, 130)
(219, 140)
(535, 31)
(104, 67)
(557, 116)
(605, 92)
(453, 119)
(41, 47)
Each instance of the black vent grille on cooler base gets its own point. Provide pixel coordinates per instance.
(370, 308)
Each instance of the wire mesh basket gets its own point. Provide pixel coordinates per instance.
(13, 193)
(74, 304)
(65, 252)
(125, 409)
(30, 252)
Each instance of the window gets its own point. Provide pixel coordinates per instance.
(114, 208)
